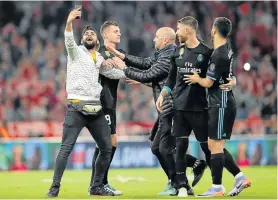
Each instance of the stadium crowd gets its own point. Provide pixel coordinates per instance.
(33, 58)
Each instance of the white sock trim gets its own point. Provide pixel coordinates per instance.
(216, 186)
(240, 174)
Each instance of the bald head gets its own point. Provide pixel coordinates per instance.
(164, 36)
(167, 32)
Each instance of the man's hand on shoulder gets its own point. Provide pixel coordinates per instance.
(115, 52)
(110, 63)
(120, 64)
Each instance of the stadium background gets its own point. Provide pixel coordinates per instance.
(33, 68)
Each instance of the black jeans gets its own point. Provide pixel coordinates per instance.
(74, 122)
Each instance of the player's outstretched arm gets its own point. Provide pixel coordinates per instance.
(109, 68)
(134, 61)
(139, 62)
(156, 73)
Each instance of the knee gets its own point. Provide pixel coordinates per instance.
(105, 146)
(105, 152)
(66, 150)
(181, 145)
(155, 149)
(216, 146)
(210, 145)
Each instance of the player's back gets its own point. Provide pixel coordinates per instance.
(221, 68)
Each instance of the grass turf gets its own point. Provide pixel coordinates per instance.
(135, 183)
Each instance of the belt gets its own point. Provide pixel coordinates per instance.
(86, 107)
(74, 100)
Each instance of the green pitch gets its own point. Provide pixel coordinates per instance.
(135, 183)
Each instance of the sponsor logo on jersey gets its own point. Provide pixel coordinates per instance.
(107, 53)
(181, 53)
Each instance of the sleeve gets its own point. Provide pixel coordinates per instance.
(139, 62)
(171, 80)
(214, 70)
(71, 45)
(157, 72)
(112, 73)
(232, 75)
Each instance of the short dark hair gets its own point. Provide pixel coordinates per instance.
(223, 26)
(190, 21)
(106, 24)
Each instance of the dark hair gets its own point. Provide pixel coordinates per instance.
(223, 26)
(88, 28)
(190, 21)
(106, 24)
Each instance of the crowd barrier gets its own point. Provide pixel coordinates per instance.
(55, 129)
(40, 154)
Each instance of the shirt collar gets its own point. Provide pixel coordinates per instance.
(168, 48)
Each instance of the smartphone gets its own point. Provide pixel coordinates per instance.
(78, 7)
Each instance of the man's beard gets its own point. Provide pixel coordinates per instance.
(182, 40)
(89, 46)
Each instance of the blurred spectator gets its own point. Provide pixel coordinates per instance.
(242, 160)
(257, 155)
(242, 112)
(4, 132)
(18, 159)
(135, 44)
(36, 159)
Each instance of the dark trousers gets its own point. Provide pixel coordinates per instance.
(163, 146)
(74, 122)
